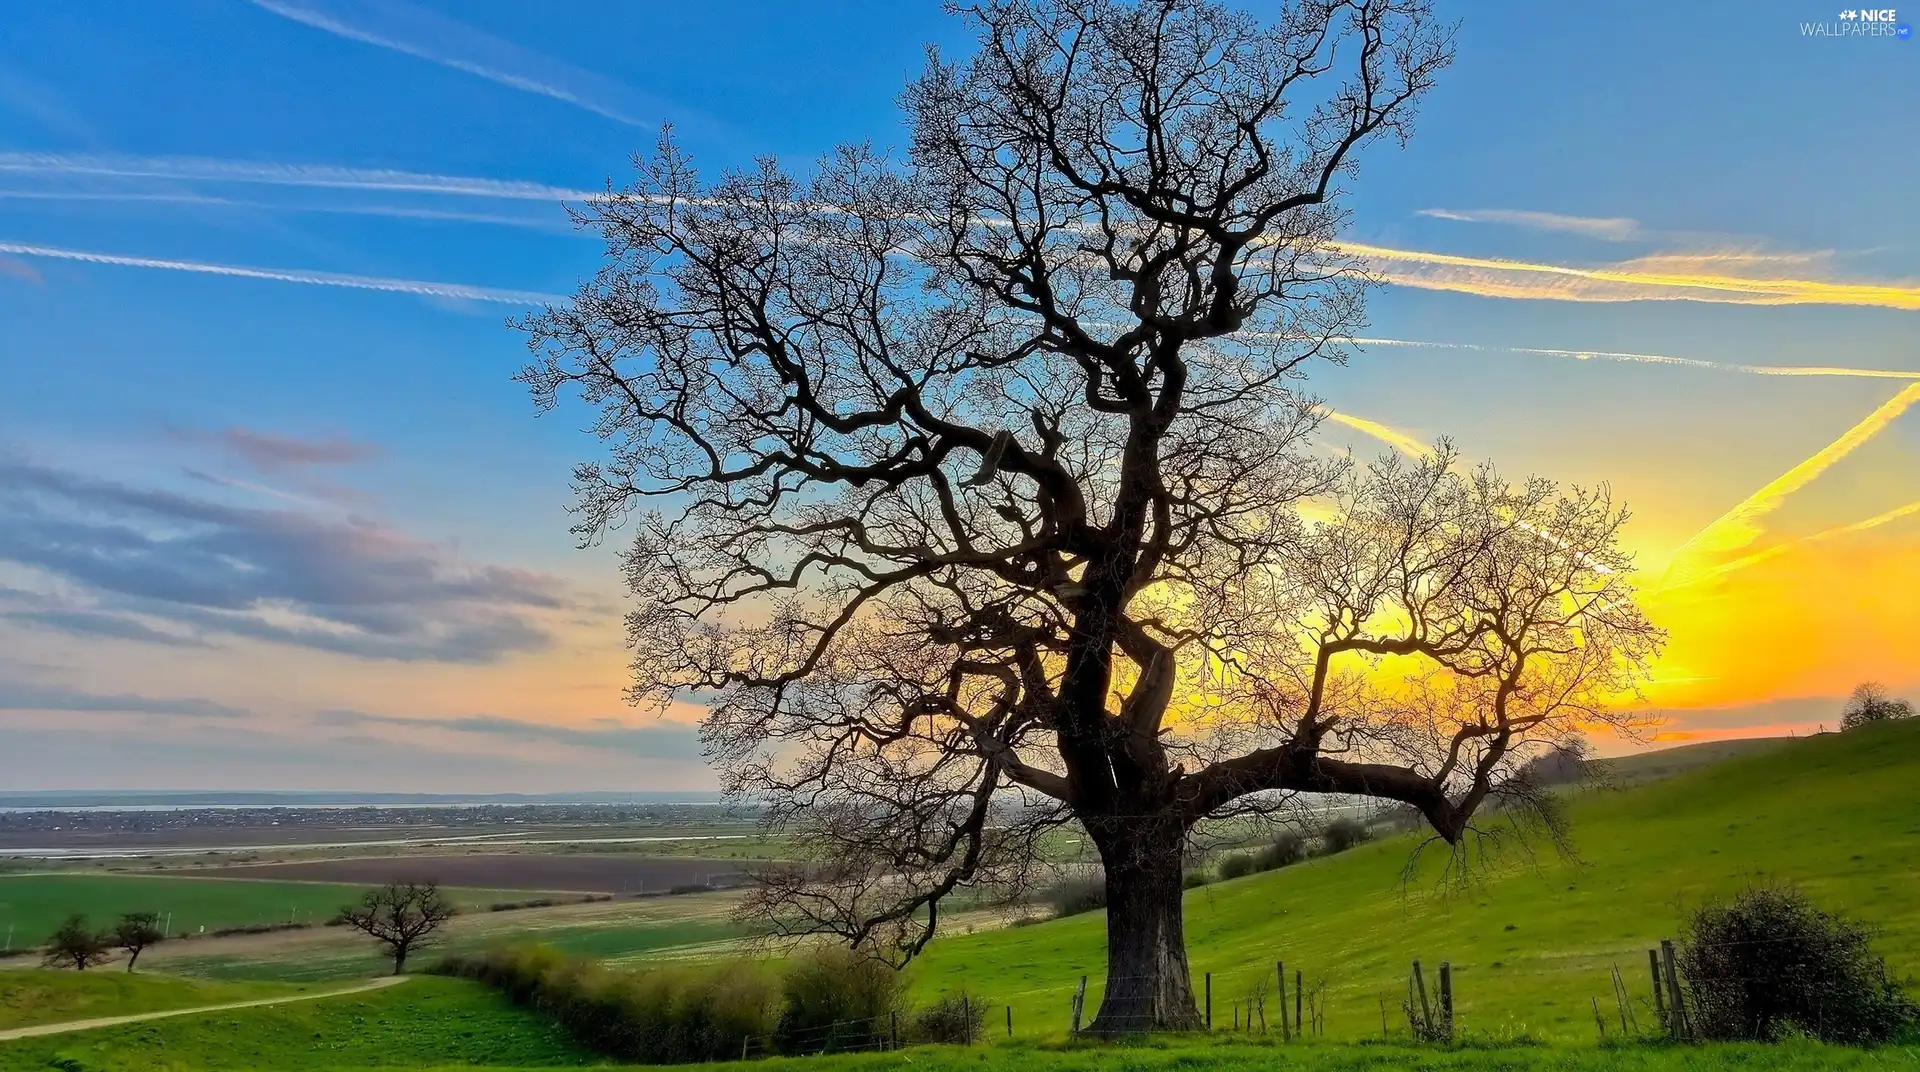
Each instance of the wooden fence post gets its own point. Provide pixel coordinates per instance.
(966, 1018)
(1446, 1000)
(1676, 1000)
(1299, 992)
(1426, 1008)
(1286, 1032)
(1079, 1003)
(1659, 999)
(1009, 1021)
(1598, 1020)
(1209, 1001)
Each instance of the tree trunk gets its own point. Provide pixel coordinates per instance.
(1148, 986)
(399, 959)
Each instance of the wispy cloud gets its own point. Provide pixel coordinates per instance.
(278, 452)
(269, 173)
(311, 277)
(662, 740)
(1611, 228)
(1732, 277)
(19, 269)
(16, 696)
(129, 559)
(1651, 359)
(1740, 526)
(415, 31)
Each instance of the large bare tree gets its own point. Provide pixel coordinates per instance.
(984, 498)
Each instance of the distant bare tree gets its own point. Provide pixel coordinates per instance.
(401, 916)
(987, 497)
(134, 933)
(1869, 704)
(74, 945)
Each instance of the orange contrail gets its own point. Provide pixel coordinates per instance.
(1740, 526)
(1758, 557)
(1658, 278)
(1392, 437)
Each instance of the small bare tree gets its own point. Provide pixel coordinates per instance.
(74, 945)
(1870, 703)
(987, 499)
(401, 916)
(135, 932)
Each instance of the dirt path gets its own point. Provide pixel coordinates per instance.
(110, 1021)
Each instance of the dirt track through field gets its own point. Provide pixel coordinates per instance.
(112, 1021)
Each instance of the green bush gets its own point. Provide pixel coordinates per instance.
(837, 999)
(952, 1018)
(1237, 865)
(666, 1016)
(1072, 896)
(1343, 834)
(1769, 960)
(1286, 849)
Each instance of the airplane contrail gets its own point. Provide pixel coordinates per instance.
(1672, 278)
(293, 275)
(270, 173)
(1777, 550)
(1652, 359)
(1740, 526)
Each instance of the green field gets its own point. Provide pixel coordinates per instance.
(346, 955)
(50, 997)
(422, 1022)
(1530, 946)
(32, 905)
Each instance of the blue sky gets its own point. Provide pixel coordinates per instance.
(351, 563)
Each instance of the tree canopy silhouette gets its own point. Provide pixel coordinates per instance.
(984, 496)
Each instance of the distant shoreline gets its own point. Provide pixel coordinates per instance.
(160, 800)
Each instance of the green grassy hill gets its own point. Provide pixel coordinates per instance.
(421, 1023)
(49, 997)
(1530, 946)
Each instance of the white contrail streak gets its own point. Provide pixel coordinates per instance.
(322, 176)
(293, 275)
(425, 34)
(1653, 359)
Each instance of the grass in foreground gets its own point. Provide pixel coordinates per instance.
(422, 1022)
(1530, 947)
(50, 997)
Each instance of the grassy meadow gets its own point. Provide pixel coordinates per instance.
(50, 997)
(420, 1023)
(619, 931)
(34, 903)
(1530, 944)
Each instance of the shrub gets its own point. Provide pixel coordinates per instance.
(1072, 896)
(668, 1016)
(1286, 849)
(1770, 960)
(1237, 865)
(1869, 704)
(1193, 880)
(837, 999)
(1343, 834)
(952, 1018)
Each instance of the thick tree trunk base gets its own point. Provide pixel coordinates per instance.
(1148, 985)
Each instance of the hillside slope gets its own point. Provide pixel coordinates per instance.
(1530, 945)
